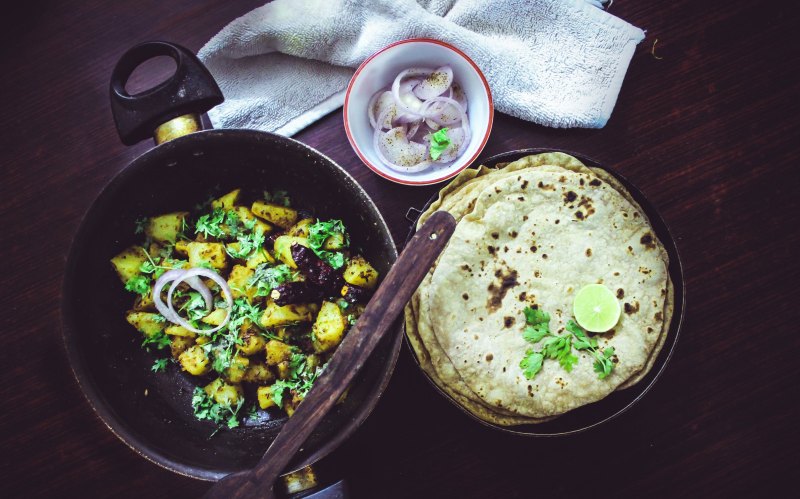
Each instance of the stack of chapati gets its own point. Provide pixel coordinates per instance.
(531, 234)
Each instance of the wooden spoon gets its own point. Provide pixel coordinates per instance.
(381, 312)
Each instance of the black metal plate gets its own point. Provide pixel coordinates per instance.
(597, 413)
(152, 412)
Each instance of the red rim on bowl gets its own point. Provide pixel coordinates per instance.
(448, 175)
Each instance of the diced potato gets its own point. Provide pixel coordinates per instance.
(284, 369)
(328, 329)
(258, 372)
(259, 257)
(277, 352)
(284, 333)
(313, 361)
(282, 216)
(207, 253)
(252, 342)
(202, 339)
(245, 215)
(223, 393)
(290, 404)
(147, 323)
(239, 282)
(179, 344)
(235, 373)
(127, 263)
(216, 317)
(335, 242)
(264, 394)
(182, 247)
(176, 330)
(227, 201)
(144, 303)
(360, 273)
(275, 315)
(300, 229)
(165, 228)
(194, 360)
(283, 248)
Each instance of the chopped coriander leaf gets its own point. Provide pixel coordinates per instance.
(139, 284)
(205, 408)
(560, 347)
(333, 258)
(531, 364)
(195, 306)
(248, 243)
(210, 225)
(534, 316)
(158, 340)
(319, 232)
(603, 363)
(266, 278)
(300, 380)
(440, 141)
(534, 334)
(232, 222)
(222, 357)
(159, 365)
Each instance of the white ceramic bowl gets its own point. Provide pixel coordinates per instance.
(379, 71)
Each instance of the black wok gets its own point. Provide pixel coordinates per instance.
(151, 412)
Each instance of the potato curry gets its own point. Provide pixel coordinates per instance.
(251, 297)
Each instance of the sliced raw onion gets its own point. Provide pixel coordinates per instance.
(420, 102)
(435, 84)
(192, 278)
(458, 95)
(413, 102)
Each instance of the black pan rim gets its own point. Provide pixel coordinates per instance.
(95, 398)
(675, 270)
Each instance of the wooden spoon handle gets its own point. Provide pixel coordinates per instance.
(381, 312)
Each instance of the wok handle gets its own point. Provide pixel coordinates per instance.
(179, 100)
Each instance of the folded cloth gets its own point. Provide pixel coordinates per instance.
(558, 63)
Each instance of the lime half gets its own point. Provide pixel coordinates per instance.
(596, 308)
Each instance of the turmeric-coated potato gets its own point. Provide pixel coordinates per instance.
(277, 352)
(283, 248)
(245, 215)
(165, 228)
(147, 323)
(258, 372)
(282, 216)
(204, 254)
(235, 373)
(300, 229)
(328, 330)
(239, 282)
(227, 201)
(194, 360)
(252, 342)
(179, 344)
(275, 315)
(127, 262)
(223, 393)
(360, 273)
(264, 394)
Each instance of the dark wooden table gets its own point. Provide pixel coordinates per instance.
(707, 127)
